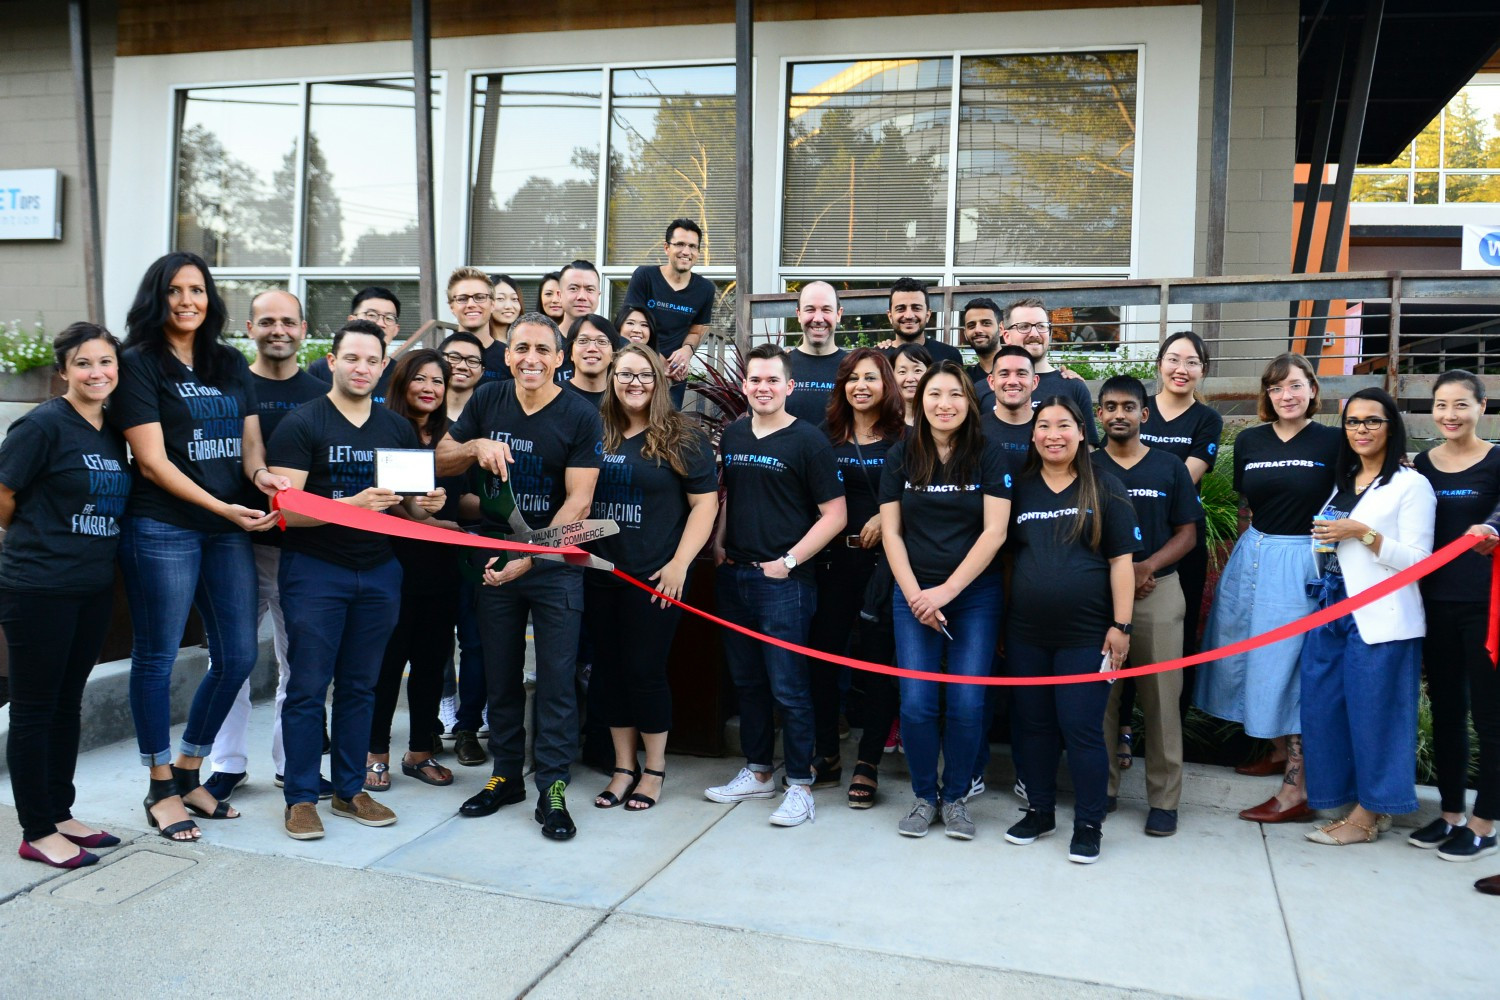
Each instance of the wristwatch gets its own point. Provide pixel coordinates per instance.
(1122, 626)
(789, 561)
(1369, 537)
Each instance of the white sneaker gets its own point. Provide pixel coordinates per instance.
(448, 715)
(744, 786)
(484, 723)
(796, 808)
(976, 788)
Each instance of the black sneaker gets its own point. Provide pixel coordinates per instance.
(1033, 825)
(1161, 822)
(221, 784)
(1085, 846)
(1466, 845)
(552, 813)
(325, 787)
(1434, 834)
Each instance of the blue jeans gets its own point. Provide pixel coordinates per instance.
(169, 571)
(1046, 719)
(765, 676)
(1359, 713)
(338, 621)
(974, 621)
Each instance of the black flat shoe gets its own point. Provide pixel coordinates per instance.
(496, 792)
(640, 803)
(608, 800)
(552, 813)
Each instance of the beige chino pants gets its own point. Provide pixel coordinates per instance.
(1156, 636)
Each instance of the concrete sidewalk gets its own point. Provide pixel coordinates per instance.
(696, 899)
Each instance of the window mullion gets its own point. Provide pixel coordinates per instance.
(606, 103)
(299, 182)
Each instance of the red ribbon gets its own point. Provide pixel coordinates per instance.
(334, 512)
(1492, 640)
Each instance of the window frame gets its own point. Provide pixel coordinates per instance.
(1442, 171)
(948, 268)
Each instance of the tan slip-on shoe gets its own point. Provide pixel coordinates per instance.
(303, 822)
(363, 809)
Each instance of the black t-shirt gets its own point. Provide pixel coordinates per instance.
(1194, 433)
(1162, 493)
(564, 434)
(71, 485)
(1013, 439)
(202, 426)
(979, 377)
(814, 376)
(675, 312)
(1053, 383)
(941, 521)
(1339, 506)
(774, 485)
(859, 471)
(274, 399)
(594, 399)
(318, 369)
(1061, 595)
(1285, 483)
(936, 348)
(1464, 499)
(649, 502)
(493, 360)
(339, 459)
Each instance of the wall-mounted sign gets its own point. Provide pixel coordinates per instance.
(30, 205)
(1481, 248)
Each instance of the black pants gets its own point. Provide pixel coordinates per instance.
(552, 595)
(841, 578)
(424, 638)
(632, 639)
(1460, 679)
(54, 643)
(1045, 719)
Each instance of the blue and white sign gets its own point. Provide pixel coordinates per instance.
(30, 205)
(1481, 248)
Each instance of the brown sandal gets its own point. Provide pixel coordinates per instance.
(439, 775)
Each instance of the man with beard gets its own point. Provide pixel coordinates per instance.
(1008, 421)
(815, 361)
(908, 315)
(1028, 325)
(980, 326)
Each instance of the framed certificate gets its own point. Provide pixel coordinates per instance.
(408, 471)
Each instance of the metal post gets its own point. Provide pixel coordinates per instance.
(1354, 129)
(744, 132)
(1393, 370)
(88, 170)
(1218, 165)
(421, 67)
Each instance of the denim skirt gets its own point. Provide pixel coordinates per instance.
(1263, 586)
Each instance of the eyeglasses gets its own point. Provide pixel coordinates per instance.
(462, 360)
(1028, 327)
(1369, 423)
(1191, 364)
(644, 378)
(482, 299)
(679, 245)
(384, 319)
(1292, 387)
(591, 342)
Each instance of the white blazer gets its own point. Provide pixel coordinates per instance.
(1403, 511)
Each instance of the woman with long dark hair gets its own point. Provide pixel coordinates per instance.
(910, 362)
(1283, 470)
(1361, 674)
(944, 503)
(63, 487)
(186, 406)
(1075, 534)
(506, 305)
(1465, 475)
(549, 297)
(423, 636)
(864, 419)
(659, 484)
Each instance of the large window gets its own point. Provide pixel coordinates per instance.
(1013, 166)
(310, 187)
(665, 137)
(1456, 158)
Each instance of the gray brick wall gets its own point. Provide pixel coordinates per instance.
(39, 130)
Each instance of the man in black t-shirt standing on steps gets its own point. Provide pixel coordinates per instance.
(1028, 325)
(546, 441)
(277, 329)
(783, 504)
(340, 587)
(379, 306)
(908, 314)
(681, 302)
(815, 361)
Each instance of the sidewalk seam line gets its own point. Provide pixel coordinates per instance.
(1291, 946)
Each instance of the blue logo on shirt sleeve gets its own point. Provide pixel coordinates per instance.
(1007, 480)
(1137, 534)
(1213, 449)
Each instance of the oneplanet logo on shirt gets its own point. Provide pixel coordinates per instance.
(673, 306)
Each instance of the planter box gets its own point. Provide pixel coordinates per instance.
(34, 386)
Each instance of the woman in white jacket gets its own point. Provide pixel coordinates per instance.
(1361, 673)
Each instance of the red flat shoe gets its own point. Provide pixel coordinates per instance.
(80, 860)
(1263, 768)
(1270, 811)
(1489, 886)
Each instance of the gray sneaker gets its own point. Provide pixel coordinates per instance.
(956, 821)
(918, 820)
